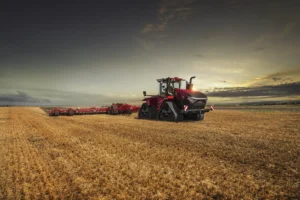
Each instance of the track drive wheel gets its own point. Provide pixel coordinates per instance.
(153, 112)
(200, 116)
(170, 114)
(144, 112)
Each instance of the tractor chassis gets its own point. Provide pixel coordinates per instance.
(194, 111)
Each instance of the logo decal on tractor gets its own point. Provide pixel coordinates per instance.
(185, 107)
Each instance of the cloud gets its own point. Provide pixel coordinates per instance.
(288, 28)
(282, 77)
(282, 90)
(170, 11)
(22, 97)
(271, 37)
(282, 73)
(199, 55)
(276, 79)
(145, 44)
(148, 28)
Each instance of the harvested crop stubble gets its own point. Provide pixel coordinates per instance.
(229, 155)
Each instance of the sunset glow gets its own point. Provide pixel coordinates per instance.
(78, 53)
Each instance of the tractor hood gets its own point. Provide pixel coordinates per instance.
(192, 99)
(190, 93)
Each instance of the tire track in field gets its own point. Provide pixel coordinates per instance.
(109, 162)
(28, 176)
(15, 162)
(5, 149)
(77, 156)
(91, 156)
(44, 143)
(68, 161)
(31, 173)
(242, 170)
(114, 138)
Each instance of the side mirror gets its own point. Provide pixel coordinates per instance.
(144, 93)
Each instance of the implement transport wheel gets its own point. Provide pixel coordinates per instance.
(71, 112)
(56, 113)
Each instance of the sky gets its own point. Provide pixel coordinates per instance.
(99, 52)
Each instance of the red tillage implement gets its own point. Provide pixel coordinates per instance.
(114, 109)
(119, 108)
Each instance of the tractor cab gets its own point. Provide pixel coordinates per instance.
(168, 85)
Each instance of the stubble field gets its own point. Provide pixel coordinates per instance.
(230, 155)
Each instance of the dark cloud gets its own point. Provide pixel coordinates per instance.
(286, 80)
(281, 90)
(283, 73)
(21, 97)
(170, 11)
(283, 77)
(276, 79)
(199, 55)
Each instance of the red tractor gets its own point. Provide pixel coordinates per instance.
(174, 102)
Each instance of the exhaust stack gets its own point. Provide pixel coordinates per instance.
(189, 86)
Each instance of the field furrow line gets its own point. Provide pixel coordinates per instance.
(47, 165)
(120, 157)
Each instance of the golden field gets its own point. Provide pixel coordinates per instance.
(230, 155)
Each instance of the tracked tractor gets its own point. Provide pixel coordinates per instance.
(176, 101)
